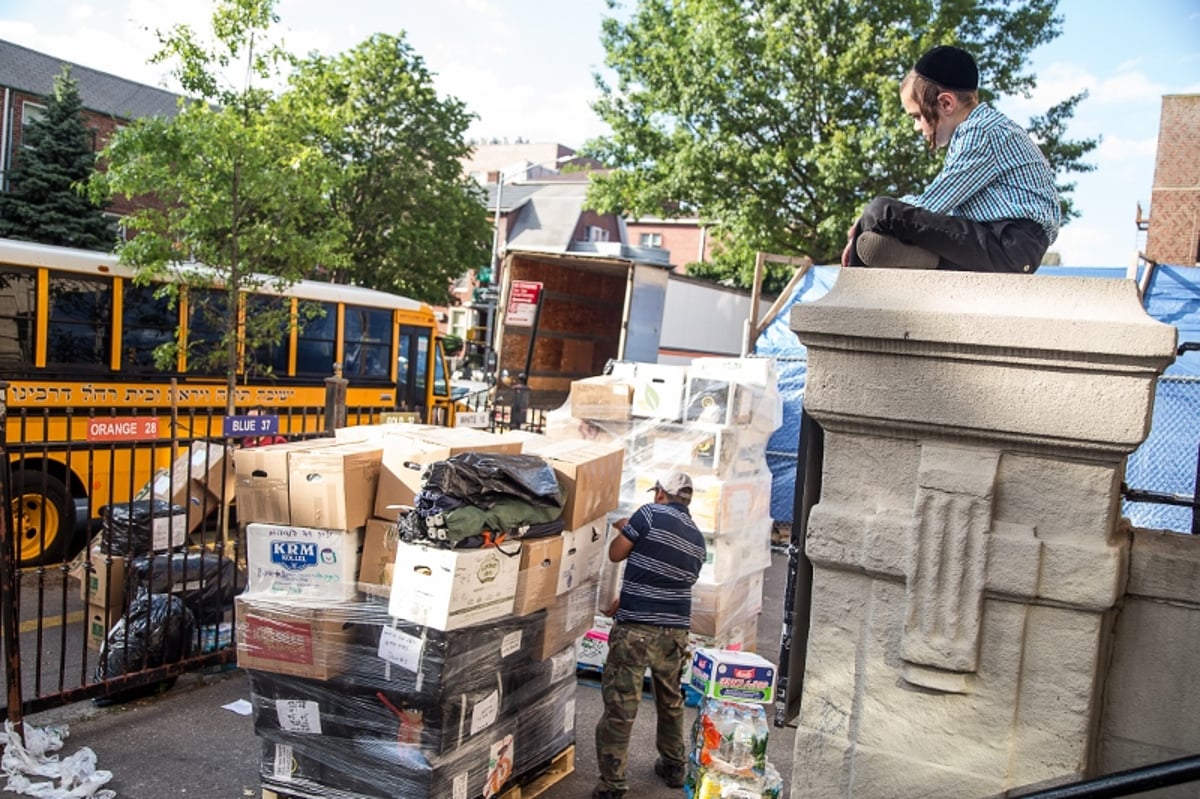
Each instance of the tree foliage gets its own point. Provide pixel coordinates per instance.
(410, 220)
(236, 189)
(775, 121)
(43, 202)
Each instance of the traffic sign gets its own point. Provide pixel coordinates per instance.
(523, 302)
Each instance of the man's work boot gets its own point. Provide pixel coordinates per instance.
(886, 252)
(671, 773)
(605, 793)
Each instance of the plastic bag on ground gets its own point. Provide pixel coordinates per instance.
(77, 774)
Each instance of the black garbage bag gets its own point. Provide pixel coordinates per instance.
(484, 478)
(127, 528)
(206, 581)
(156, 629)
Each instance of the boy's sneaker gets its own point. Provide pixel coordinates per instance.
(671, 773)
(886, 252)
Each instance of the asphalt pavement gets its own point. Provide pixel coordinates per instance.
(186, 743)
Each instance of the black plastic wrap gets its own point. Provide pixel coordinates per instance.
(206, 581)
(482, 478)
(156, 629)
(127, 528)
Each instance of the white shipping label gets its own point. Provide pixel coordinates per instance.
(299, 715)
(485, 713)
(562, 665)
(510, 644)
(460, 786)
(400, 648)
(569, 716)
(284, 762)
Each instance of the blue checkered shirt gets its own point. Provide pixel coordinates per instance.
(993, 171)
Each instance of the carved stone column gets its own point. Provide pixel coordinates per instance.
(966, 559)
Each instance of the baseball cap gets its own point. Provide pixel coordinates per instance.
(676, 484)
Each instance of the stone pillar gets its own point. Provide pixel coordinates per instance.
(965, 546)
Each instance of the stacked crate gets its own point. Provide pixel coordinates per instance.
(711, 419)
(422, 671)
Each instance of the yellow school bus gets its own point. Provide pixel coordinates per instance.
(77, 342)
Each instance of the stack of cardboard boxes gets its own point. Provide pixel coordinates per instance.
(711, 419)
(383, 668)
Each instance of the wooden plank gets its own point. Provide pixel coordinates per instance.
(560, 767)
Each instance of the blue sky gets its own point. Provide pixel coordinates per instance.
(525, 67)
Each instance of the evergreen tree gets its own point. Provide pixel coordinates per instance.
(43, 203)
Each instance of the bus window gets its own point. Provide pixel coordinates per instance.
(18, 300)
(270, 358)
(148, 323)
(368, 342)
(315, 343)
(206, 326)
(79, 332)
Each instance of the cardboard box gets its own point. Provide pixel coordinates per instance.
(458, 439)
(584, 551)
(733, 675)
(262, 480)
(402, 467)
(303, 562)
(755, 371)
(537, 578)
(303, 640)
(604, 397)
(451, 588)
(590, 474)
(731, 553)
(711, 401)
(333, 487)
(593, 646)
(659, 391)
(99, 621)
(568, 617)
(172, 486)
(718, 607)
(718, 505)
(211, 466)
(104, 584)
(378, 557)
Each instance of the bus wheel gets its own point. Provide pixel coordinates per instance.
(44, 518)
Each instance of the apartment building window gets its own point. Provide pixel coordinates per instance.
(30, 113)
(596, 233)
(650, 239)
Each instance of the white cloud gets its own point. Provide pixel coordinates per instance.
(1117, 148)
(1090, 245)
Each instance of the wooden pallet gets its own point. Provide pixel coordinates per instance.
(559, 768)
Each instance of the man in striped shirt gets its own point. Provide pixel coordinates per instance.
(993, 207)
(663, 550)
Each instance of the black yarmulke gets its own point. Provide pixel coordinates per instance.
(949, 67)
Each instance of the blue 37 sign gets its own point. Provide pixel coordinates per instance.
(243, 426)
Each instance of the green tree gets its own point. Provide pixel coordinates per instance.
(410, 221)
(237, 189)
(777, 120)
(43, 202)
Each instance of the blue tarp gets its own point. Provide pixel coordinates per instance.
(1165, 463)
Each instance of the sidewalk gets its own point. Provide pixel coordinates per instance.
(185, 744)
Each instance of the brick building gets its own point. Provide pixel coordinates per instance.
(1173, 230)
(27, 79)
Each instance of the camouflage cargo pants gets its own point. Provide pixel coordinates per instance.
(632, 648)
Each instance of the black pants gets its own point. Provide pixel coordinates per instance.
(1006, 245)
